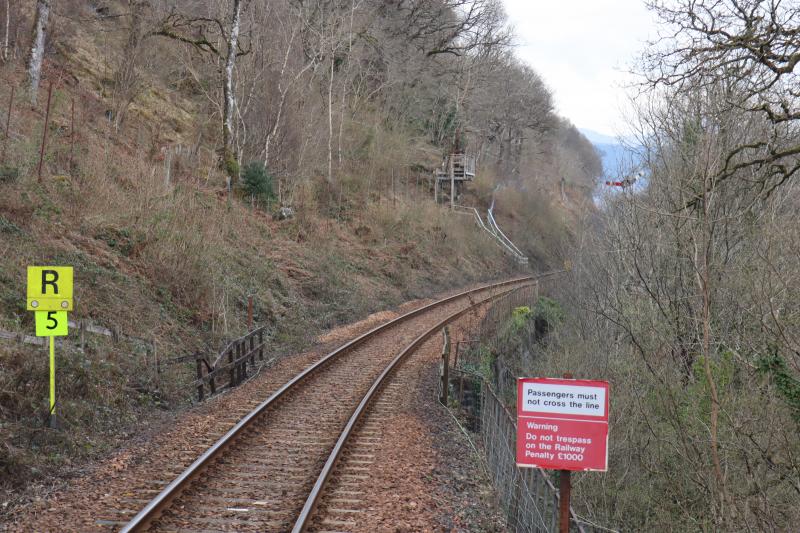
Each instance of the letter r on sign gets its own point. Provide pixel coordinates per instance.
(53, 275)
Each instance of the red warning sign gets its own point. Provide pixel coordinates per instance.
(562, 424)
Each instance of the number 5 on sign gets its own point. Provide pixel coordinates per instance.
(51, 324)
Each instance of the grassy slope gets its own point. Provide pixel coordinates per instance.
(174, 263)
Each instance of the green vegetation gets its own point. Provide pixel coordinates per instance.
(549, 311)
(786, 384)
(258, 183)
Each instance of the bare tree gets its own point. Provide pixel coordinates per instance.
(4, 50)
(127, 80)
(753, 46)
(454, 27)
(36, 54)
(229, 95)
(202, 33)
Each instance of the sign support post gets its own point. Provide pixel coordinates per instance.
(53, 420)
(564, 491)
(49, 296)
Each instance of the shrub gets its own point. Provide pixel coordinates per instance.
(8, 174)
(257, 183)
(520, 316)
(550, 311)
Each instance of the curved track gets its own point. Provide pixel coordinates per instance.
(259, 475)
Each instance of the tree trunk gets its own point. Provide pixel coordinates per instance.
(229, 158)
(344, 85)
(4, 52)
(330, 122)
(36, 55)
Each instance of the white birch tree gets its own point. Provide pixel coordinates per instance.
(36, 54)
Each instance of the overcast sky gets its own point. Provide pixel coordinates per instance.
(582, 49)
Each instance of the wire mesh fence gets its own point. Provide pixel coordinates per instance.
(528, 496)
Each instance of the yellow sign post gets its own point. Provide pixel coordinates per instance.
(50, 297)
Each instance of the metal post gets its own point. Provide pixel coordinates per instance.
(44, 132)
(72, 139)
(8, 124)
(53, 420)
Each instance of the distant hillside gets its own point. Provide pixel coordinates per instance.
(617, 158)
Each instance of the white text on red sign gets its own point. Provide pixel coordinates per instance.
(562, 424)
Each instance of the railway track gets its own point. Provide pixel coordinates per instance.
(269, 472)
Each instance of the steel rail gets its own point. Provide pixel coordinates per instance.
(152, 510)
(319, 487)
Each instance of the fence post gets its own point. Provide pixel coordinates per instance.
(44, 132)
(242, 356)
(212, 380)
(232, 369)
(261, 344)
(200, 388)
(445, 365)
(252, 349)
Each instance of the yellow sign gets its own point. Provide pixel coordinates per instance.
(51, 324)
(49, 288)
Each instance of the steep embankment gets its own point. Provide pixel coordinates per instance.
(132, 196)
(171, 262)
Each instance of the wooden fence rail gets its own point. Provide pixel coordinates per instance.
(82, 326)
(232, 362)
